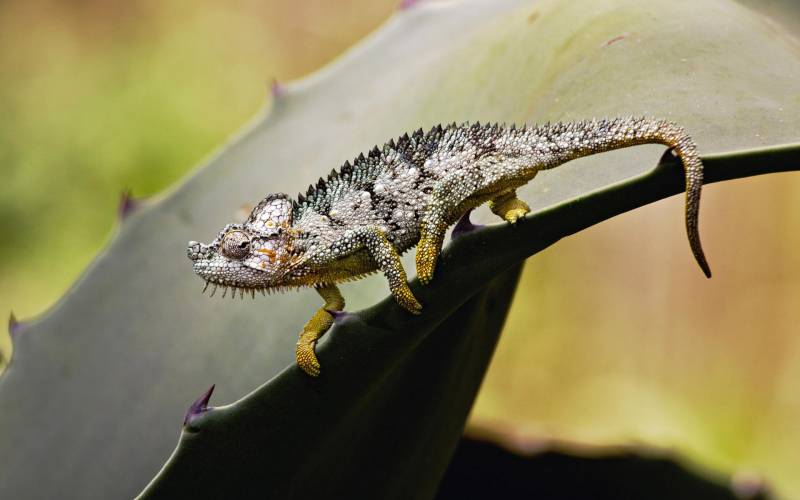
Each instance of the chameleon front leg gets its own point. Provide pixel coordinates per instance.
(316, 328)
(388, 260)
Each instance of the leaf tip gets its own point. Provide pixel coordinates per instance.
(14, 325)
(407, 4)
(199, 406)
(276, 89)
(7, 345)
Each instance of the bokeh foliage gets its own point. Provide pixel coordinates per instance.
(99, 97)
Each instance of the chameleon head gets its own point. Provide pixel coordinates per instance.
(253, 255)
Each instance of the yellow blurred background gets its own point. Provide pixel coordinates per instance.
(99, 97)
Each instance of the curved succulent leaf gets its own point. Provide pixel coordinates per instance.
(98, 387)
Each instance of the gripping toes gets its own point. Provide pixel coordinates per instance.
(316, 328)
(406, 299)
(305, 355)
(304, 350)
(427, 252)
(515, 214)
(509, 207)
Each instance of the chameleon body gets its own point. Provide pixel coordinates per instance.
(365, 215)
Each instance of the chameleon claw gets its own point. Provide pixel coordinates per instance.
(316, 327)
(427, 253)
(412, 306)
(509, 207)
(424, 270)
(305, 355)
(406, 299)
(512, 216)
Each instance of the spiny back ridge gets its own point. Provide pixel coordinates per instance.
(417, 148)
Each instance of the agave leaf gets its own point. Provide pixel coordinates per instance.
(98, 387)
(391, 429)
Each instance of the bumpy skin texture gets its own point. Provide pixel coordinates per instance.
(408, 193)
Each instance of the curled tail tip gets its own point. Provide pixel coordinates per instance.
(706, 269)
(697, 251)
(694, 244)
(700, 257)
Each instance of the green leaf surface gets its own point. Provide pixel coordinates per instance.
(95, 394)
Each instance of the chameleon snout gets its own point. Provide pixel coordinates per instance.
(194, 251)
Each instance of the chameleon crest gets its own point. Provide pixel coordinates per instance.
(363, 216)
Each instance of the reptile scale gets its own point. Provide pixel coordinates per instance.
(365, 215)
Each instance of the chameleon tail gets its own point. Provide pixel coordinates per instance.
(675, 137)
(564, 142)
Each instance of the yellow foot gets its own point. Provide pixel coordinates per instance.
(510, 209)
(305, 355)
(513, 215)
(427, 252)
(406, 299)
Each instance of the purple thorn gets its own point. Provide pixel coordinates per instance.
(407, 4)
(338, 315)
(198, 407)
(276, 89)
(14, 326)
(127, 204)
(464, 226)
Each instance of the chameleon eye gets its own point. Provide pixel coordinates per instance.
(235, 245)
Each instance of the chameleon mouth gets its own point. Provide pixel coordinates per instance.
(210, 274)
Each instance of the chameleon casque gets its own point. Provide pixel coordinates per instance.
(366, 214)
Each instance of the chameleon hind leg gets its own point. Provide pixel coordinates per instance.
(508, 206)
(453, 196)
(431, 236)
(316, 328)
(442, 209)
(388, 260)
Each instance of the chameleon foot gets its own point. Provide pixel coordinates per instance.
(316, 328)
(427, 252)
(509, 207)
(305, 355)
(402, 294)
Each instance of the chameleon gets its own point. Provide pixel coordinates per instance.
(361, 218)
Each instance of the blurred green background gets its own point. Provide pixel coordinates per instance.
(97, 97)
(601, 346)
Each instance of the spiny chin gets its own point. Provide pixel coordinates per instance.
(245, 290)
